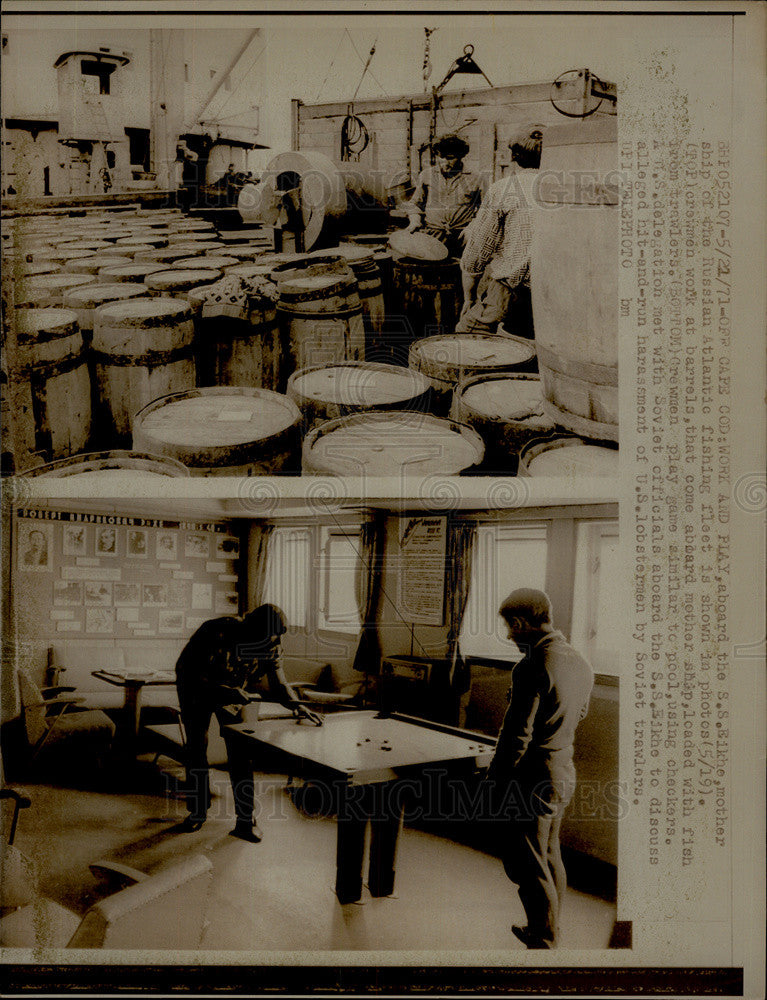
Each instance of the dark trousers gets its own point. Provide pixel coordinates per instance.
(532, 857)
(197, 710)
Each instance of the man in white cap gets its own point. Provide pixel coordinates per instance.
(532, 768)
(496, 261)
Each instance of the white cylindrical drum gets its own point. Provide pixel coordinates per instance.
(43, 291)
(116, 469)
(235, 431)
(178, 281)
(136, 271)
(92, 265)
(392, 444)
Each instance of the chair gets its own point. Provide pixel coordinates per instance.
(51, 718)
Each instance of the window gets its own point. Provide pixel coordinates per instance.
(505, 557)
(288, 573)
(339, 565)
(92, 69)
(596, 629)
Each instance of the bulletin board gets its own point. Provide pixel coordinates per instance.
(104, 576)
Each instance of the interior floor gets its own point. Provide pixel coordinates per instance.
(278, 896)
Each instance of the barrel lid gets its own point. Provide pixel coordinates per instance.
(355, 254)
(202, 424)
(110, 467)
(31, 268)
(62, 254)
(129, 269)
(419, 246)
(394, 442)
(85, 245)
(182, 278)
(163, 256)
(568, 456)
(148, 238)
(358, 383)
(453, 356)
(139, 311)
(313, 285)
(92, 296)
(505, 396)
(192, 248)
(92, 265)
(217, 262)
(55, 282)
(54, 322)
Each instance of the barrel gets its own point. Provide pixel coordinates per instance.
(321, 320)
(427, 295)
(506, 410)
(392, 444)
(92, 246)
(87, 298)
(232, 430)
(115, 469)
(445, 360)
(152, 239)
(133, 251)
(49, 386)
(165, 256)
(574, 276)
(92, 265)
(327, 392)
(128, 271)
(568, 455)
(177, 281)
(217, 261)
(192, 248)
(143, 349)
(363, 264)
(47, 290)
(29, 269)
(61, 254)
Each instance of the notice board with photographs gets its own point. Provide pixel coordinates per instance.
(123, 577)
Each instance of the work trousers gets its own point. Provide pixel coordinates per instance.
(197, 709)
(531, 853)
(497, 304)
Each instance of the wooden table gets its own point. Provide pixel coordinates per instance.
(132, 683)
(371, 765)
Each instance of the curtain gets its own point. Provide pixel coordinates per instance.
(367, 659)
(460, 552)
(258, 563)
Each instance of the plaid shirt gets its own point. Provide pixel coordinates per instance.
(500, 237)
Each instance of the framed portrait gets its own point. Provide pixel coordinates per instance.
(74, 540)
(100, 621)
(97, 594)
(197, 545)
(227, 547)
(137, 545)
(166, 546)
(35, 546)
(154, 595)
(127, 595)
(170, 622)
(106, 540)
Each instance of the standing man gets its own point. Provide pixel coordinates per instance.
(533, 761)
(446, 197)
(227, 663)
(496, 262)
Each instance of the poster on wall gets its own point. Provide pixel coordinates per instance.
(197, 546)
(227, 547)
(422, 570)
(227, 602)
(137, 546)
(170, 622)
(100, 621)
(106, 540)
(35, 549)
(74, 540)
(127, 595)
(166, 546)
(67, 593)
(202, 596)
(154, 595)
(97, 594)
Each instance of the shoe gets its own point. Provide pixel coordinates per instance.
(527, 939)
(191, 825)
(247, 831)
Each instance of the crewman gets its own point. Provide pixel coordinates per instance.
(446, 197)
(532, 769)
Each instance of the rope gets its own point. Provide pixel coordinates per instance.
(332, 63)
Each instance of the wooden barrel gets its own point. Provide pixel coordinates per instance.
(241, 349)
(92, 265)
(133, 251)
(62, 255)
(129, 271)
(28, 268)
(178, 281)
(445, 360)
(87, 298)
(149, 238)
(396, 443)
(247, 251)
(427, 295)
(143, 349)
(191, 248)
(93, 245)
(49, 386)
(327, 392)
(115, 469)
(166, 255)
(236, 431)
(365, 269)
(321, 320)
(569, 456)
(506, 410)
(41, 291)
(574, 276)
(217, 261)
